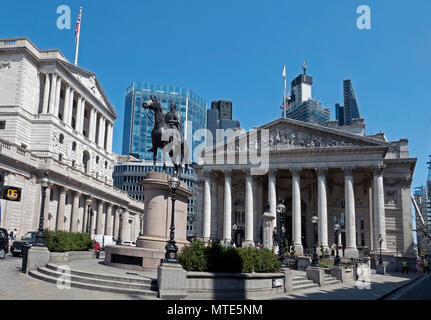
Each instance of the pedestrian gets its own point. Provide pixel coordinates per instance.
(426, 267)
(97, 248)
(15, 234)
(404, 266)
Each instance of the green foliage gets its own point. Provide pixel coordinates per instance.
(326, 263)
(218, 258)
(192, 257)
(322, 252)
(292, 250)
(62, 241)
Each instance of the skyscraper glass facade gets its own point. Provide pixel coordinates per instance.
(138, 122)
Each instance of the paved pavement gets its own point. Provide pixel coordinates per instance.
(417, 290)
(16, 285)
(378, 287)
(20, 286)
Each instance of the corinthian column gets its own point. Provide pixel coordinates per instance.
(99, 221)
(57, 97)
(52, 93)
(109, 220)
(351, 250)
(207, 206)
(75, 213)
(79, 115)
(272, 194)
(102, 132)
(70, 107)
(66, 109)
(60, 212)
(249, 240)
(227, 218)
(379, 206)
(296, 210)
(322, 207)
(46, 94)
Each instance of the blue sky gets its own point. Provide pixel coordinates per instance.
(236, 50)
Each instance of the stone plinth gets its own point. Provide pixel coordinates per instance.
(172, 281)
(316, 274)
(150, 247)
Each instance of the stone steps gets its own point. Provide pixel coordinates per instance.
(107, 277)
(301, 283)
(328, 280)
(100, 283)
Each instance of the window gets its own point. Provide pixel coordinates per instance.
(3, 125)
(60, 157)
(97, 159)
(106, 164)
(73, 163)
(61, 138)
(74, 146)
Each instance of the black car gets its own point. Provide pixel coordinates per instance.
(17, 246)
(4, 243)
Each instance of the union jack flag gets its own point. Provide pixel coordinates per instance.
(78, 26)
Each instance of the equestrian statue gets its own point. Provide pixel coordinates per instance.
(166, 134)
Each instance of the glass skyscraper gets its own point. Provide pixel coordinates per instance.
(138, 122)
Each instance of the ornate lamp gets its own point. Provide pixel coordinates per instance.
(315, 260)
(40, 235)
(337, 260)
(89, 203)
(281, 209)
(120, 226)
(171, 255)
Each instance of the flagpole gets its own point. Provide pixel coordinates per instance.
(77, 37)
(284, 93)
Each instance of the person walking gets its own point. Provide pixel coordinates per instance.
(404, 266)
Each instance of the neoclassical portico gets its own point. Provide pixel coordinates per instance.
(316, 170)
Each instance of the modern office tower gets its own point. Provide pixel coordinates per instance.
(345, 114)
(224, 108)
(301, 106)
(129, 172)
(138, 122)
(220, 117)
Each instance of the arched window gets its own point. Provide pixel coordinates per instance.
(85, 160)
(97, 159)
(61, 138)
(74, 146)
(106, 164)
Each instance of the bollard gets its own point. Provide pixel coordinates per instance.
(97, 254)
(25, 249)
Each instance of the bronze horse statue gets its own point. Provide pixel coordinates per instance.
(163, 136)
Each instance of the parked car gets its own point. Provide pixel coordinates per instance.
(128, 244)
(17, 246)
(4, 243)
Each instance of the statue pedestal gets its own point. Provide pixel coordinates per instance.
(150, 246)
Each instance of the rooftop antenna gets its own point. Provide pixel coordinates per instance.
(304, 67)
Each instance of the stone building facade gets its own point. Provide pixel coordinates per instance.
(361, 182)
(57, 120)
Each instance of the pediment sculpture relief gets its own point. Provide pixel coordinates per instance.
(292, 139)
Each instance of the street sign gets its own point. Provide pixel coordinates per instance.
(12, 193)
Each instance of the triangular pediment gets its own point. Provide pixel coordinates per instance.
(287, 134)
(91, 83)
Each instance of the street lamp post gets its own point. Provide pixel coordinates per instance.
(40, 235)
(380, 243)
(120, 226)
(315, 260)
(171, 255)
(89, 203)
(234, 228)
(337, 260)
(281, 209)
